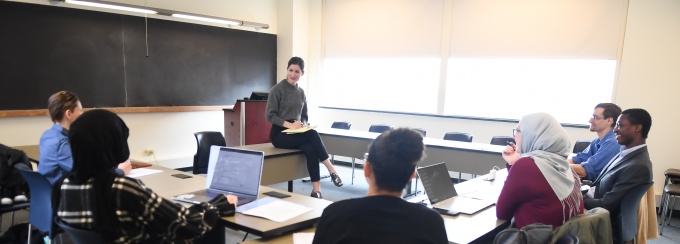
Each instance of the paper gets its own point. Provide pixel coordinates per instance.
(139, 172)
(300, 130)
(303, 238)
(278, 210)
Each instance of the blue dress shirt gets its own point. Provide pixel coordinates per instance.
(598, 154)
(55, 153)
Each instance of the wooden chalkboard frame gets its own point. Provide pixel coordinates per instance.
(110, 69)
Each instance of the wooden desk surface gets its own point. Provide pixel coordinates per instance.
(168, 186)
(32, 151)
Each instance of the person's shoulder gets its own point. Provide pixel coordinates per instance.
(524, 162)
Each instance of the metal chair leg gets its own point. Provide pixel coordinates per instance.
(663, 195)
(352, 171)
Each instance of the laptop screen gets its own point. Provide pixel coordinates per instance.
(437, 182)
(235, 170)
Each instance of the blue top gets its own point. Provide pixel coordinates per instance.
(597, 155)
(55, 153)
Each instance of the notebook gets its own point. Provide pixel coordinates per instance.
(443, 195)
(230, 171)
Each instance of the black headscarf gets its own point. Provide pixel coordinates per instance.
(98, 141)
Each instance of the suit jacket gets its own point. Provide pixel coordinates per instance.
(613, 183)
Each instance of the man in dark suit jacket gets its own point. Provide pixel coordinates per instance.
(630, 168)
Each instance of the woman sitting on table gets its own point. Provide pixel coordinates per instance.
(541, 187)
(287, 109)
(383, 216)
(122, 210)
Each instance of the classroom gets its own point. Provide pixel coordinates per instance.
(646, 53)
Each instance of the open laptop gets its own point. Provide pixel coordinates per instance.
(443, 195)
(230, 171)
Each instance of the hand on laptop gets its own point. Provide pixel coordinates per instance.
(126, 167)
(232, 199)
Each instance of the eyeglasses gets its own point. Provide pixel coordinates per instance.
(595, 117)
(515, 131)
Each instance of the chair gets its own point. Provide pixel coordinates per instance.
(40, 214)
(593, 226)
(204, 140)
(581, 145)
(628, 213)
(669, 191)
(502, 140)
(458, 136)
(672, 176)
(79, 236)
(377, 128)
(422, 131)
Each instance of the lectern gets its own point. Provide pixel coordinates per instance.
(245, 124)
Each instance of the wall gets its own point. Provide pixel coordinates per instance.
(648, 78)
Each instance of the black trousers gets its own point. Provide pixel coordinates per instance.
(309, 142)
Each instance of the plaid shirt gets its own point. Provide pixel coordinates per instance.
(144, 217)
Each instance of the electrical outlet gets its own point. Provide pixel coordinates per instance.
(149, 151)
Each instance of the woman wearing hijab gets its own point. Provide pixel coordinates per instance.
(541, 187)
(122, 210)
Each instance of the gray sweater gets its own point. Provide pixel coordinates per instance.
(286, 102)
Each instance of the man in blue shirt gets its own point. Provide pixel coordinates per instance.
(589, 163)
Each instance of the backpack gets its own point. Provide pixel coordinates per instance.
(11, 182)
(530, 234)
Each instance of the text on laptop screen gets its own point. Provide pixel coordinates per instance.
(437, 182)
(237, 170)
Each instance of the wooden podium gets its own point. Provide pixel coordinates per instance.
(245, 124)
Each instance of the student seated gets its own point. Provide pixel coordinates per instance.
(383, 216)
(541, 187)
(123, 210)
(55, 152)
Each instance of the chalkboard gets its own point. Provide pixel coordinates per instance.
(103, 58)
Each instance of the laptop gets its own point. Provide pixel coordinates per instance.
(230, 171)
(442, 194)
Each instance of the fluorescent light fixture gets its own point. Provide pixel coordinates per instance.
(207, 19)
(111, 6)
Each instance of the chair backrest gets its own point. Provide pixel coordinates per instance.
(204, 140)
(580, 146)
(502, 140)
(379, 128)
(628, 215)
(458, 136)
(79, 236)
(41, 214)
(341, 125)
(422, 131)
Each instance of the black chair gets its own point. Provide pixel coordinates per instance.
(672, 176)
(458, 136)
(12, 208)
(40, 214)
(502, 140)
(669, 191)
(628, 213)
(580, 146)
(377, 128)
(204, 140)
(422, 131)
(79, 236)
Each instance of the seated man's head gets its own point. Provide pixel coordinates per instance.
(64, 107)
(633, 127)
(392, 159)
(98, 143)
(604, 117)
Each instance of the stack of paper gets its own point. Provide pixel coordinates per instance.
(300, 130)
(274, 209)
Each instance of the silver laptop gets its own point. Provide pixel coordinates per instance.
(230, 171)
(442, 194)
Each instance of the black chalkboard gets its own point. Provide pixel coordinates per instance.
(103, 58)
